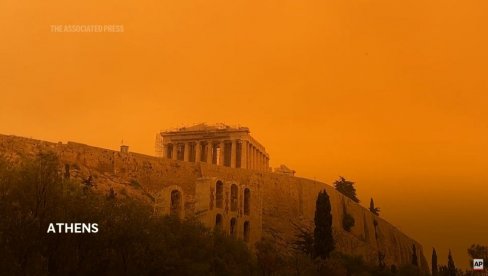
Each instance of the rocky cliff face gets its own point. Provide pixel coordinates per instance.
(284, 201)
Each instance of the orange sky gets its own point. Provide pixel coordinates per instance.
(391, 94)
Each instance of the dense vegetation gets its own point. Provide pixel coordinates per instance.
(133, 241)
(315, 254)
(346, 188)
(323, 240)
(274, 261)
(347, 219)
(373, 209)
(476, 251)
(130, 241)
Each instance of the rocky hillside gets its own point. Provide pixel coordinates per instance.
(286, 201)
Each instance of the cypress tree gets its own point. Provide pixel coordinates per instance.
(435, 269)
(346, 187)
(414, 256)
(373, 209)
(323, 240)
(451, 268)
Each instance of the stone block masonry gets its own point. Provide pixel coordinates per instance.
(220, 145)
(247, 203)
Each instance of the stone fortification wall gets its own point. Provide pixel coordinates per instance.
(277, 201)
(288, 201)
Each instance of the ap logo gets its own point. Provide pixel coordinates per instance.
(478, 264)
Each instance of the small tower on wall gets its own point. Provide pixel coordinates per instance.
(124, 149)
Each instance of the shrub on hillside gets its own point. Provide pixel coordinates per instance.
(130, 240)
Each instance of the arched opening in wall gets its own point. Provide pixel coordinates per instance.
(247, 201)
(218, 221)
(219, 194)
(247, 231)
(233, 228)
(176, 204)
(233, 198)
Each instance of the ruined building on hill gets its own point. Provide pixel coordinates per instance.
(221, 176)
(219, 145)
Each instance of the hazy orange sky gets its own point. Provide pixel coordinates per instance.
(391, 94)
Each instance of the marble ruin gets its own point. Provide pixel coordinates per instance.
(220, 175)
(220, 145)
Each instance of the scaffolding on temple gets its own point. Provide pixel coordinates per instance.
(159, 145)
(217, 144)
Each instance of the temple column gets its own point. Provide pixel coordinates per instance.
(258, 157)
(165, 151)
(174, 156)
(255, 157)
(260, 161)
(244, 154)
(233, 154)
(250, 157)
(186, 152)
(253, 164)
(198, 151)
(209, 152)
(221, 155)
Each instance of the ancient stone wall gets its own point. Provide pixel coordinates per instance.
(288, 201)
(277, 201)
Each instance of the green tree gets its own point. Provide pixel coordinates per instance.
(477, 251)
(270, 259)
(346, 188)
(451, 268)
(415, 261)
(373, 209)
(323, 239)
(348, 222)
(304, 240)
(347, 219)
(130, 240)
(435, 269)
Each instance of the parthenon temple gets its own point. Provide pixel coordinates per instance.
(219, 144)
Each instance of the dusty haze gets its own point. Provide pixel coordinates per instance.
(391, 94)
